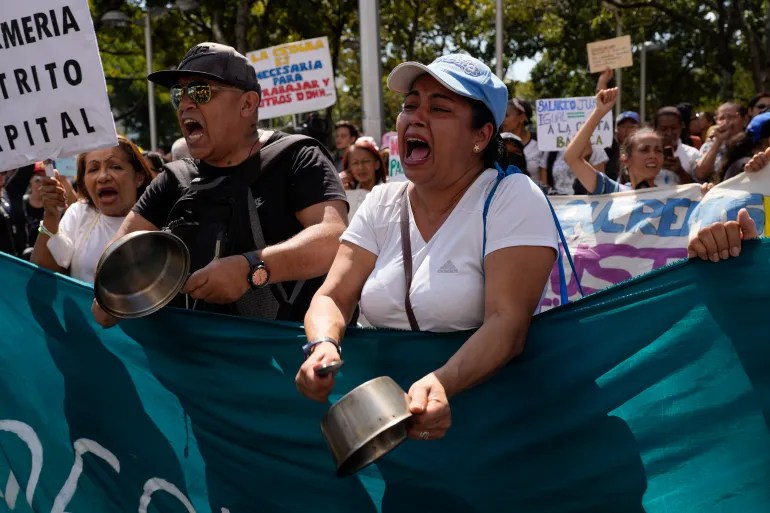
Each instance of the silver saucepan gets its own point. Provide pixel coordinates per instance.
(366, 423)
(140, 273)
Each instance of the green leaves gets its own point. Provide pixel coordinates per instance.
(714, 50)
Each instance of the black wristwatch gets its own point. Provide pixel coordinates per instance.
(258, 275)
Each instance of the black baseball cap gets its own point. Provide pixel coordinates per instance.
(215, 61)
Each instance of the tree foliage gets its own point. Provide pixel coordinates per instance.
(713, 50)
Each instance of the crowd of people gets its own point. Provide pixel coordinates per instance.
(263, 213)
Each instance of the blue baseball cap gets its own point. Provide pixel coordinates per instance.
(459, 73)
(759, 127)
(629, 114)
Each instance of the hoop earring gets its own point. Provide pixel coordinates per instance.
(476, 148)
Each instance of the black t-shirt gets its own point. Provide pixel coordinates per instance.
(303, 177)
(7, 243)
(33, 216)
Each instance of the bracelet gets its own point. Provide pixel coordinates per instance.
(45, 231)
(307, 349)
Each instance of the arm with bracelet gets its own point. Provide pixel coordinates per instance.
(328, 316)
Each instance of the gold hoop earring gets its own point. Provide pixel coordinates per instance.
(476, 148)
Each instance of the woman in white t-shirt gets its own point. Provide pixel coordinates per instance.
(364, 165)
(448, 142)
(109, 182)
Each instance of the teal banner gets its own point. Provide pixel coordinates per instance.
(650, 396)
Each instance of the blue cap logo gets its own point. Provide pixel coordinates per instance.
(466, 64)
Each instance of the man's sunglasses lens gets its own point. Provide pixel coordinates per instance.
(198, 93)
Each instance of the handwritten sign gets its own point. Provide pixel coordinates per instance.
(395, 169)
(559, 119)
(610, 53)
(295, 77)
(53, 96)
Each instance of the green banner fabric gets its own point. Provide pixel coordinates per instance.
(653, 395)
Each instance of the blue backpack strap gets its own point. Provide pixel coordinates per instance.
(563, 292)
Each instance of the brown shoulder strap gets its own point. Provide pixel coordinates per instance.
(406, 252)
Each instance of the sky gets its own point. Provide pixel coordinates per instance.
(521, 69)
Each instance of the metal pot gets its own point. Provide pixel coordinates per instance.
(140, 273)
(365, 424)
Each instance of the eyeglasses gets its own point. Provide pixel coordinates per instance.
(198, 92)
(727, 117)
(364, 162)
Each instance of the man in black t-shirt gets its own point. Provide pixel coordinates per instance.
(300, 201)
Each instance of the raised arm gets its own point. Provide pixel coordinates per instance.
(573, 156)
(53, 195)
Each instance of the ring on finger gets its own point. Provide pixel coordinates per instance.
(424, 435)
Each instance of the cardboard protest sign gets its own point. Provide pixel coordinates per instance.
(395, 169)
(610, 53)
(390, 141)
(559, 119)
(295, 77)
(53, 96)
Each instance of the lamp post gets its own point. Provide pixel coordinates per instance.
(371, 70)
(499, 38)
(646, 46)
(119, 18)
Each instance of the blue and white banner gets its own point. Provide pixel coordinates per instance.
(614, 237)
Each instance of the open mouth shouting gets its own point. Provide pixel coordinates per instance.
(417, 151)
(193, 130)
(107, 195)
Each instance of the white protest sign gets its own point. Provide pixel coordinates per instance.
(295, 77)
(611, 53)
(559, 119)
(53, 96)
(390, 141)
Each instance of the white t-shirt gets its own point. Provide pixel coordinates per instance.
(563, 177)
(688, 156)
(447, 291)
(533, 155)
(355, 199)
(83, 234)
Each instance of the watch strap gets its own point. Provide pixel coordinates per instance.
(252, 258)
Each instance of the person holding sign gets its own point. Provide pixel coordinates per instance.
(109, 182)
(641, 153)
(413, 245)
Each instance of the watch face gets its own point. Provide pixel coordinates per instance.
(259, 277)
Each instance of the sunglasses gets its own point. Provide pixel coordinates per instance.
(198, 92)
(761, 106)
